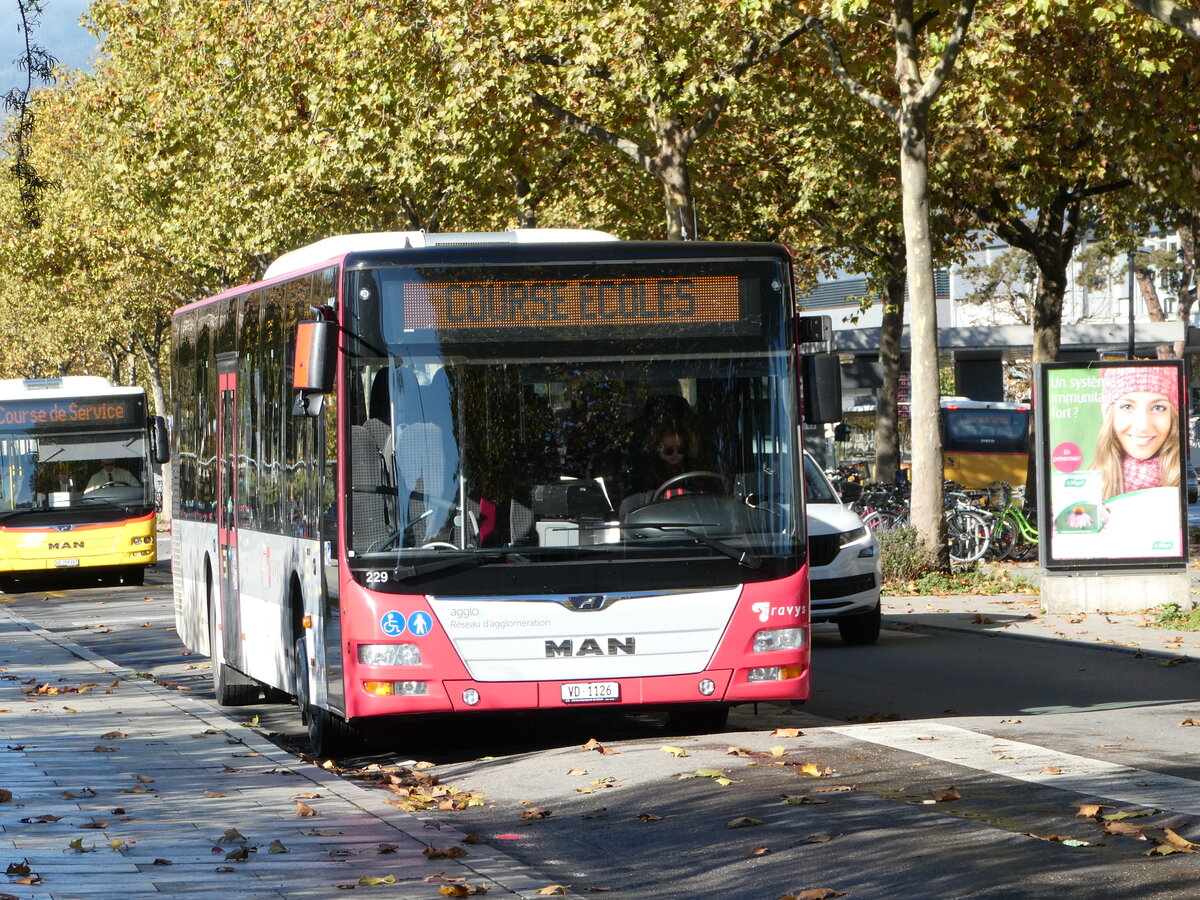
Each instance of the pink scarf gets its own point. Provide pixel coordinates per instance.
(1140, 473)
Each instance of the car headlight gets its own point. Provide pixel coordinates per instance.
(846, 538)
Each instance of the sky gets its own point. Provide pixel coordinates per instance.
(58, 32)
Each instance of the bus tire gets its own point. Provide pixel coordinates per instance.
(861, 628)
(329, 735)
(230, 686)
(703, 718)
(133, 575)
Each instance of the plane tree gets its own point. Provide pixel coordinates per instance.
(924, 51)
(646, 80)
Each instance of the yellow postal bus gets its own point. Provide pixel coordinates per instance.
(77, 459)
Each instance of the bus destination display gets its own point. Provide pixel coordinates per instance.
(50, 415)
(572, 302)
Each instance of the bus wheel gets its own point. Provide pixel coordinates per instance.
(699, 719)
(329, 735)
(231, 687)
(133, 575)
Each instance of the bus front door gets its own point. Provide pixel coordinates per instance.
(227, 505)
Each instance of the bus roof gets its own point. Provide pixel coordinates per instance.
(330, 248)
(61, 388)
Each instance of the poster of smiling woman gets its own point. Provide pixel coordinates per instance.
(1111, 464)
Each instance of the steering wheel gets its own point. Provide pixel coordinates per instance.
(107, 486)
(685, 476)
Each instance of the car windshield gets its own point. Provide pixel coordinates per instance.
(817, 488)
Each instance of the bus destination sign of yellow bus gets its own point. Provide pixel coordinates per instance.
(574, 302)
(22, 415)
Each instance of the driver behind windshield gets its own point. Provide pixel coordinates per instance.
(110, 473)
(670, 449)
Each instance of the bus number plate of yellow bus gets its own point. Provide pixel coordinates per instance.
(66, 563)
(591, 692)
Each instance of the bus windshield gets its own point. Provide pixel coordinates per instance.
(501, 445)
(985, 429)
(74, 461)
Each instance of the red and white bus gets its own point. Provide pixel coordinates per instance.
(417, 473)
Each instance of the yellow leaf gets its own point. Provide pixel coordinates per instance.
(778, 751)
(1181, 844)
(372, 881)
(674, 751)
(552, 890)
(742, 822)
(787, 732)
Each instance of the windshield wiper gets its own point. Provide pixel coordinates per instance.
(100, 500)
(464, 559)
(742, 557)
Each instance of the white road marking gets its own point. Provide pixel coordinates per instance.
(1029, 762)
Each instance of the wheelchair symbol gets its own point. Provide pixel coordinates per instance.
(392, 624)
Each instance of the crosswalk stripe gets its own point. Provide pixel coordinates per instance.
(1038, 765)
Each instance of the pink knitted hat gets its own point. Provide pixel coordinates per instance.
(1120, 380)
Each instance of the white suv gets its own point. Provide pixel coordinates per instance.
(843, 557)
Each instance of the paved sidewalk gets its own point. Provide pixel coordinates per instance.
(121, 788)
(1020, 615)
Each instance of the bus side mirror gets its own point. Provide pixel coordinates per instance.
(314, 352)
(821, 386)
(160, 444)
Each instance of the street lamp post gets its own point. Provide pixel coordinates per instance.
(1131, 340)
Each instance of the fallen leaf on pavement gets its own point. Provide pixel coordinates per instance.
(677, 752)
(742, 822)
(432, 852)
(787, 732)
(1123, 828)
(594, 744)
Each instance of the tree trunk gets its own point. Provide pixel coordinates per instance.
(150, 355)
(671, 169)
(927, 504)
(887, 432)
(1047, 313)
(1154, 310)
(1187, 293)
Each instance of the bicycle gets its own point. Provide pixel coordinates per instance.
(882, 506)
(1014, 536)
(968, 530)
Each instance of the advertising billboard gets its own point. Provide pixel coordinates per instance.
(1111, 444)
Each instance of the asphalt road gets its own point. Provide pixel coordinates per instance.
(933, 764)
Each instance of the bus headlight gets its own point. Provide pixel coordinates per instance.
(389, 654)
(774, 673)
(779, 639)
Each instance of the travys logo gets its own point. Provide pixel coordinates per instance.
(765, 610)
